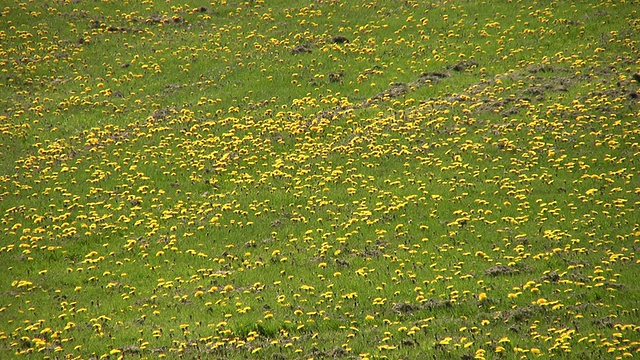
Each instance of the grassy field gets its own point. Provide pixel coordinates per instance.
(319, 179)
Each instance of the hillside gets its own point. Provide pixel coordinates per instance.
(319, 179)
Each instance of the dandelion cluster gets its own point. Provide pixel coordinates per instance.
(319, 179)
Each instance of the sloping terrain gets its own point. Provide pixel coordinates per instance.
(326, 179)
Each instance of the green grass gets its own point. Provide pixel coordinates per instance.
(458, 180)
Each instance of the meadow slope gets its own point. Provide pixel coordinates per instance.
(319, 179)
